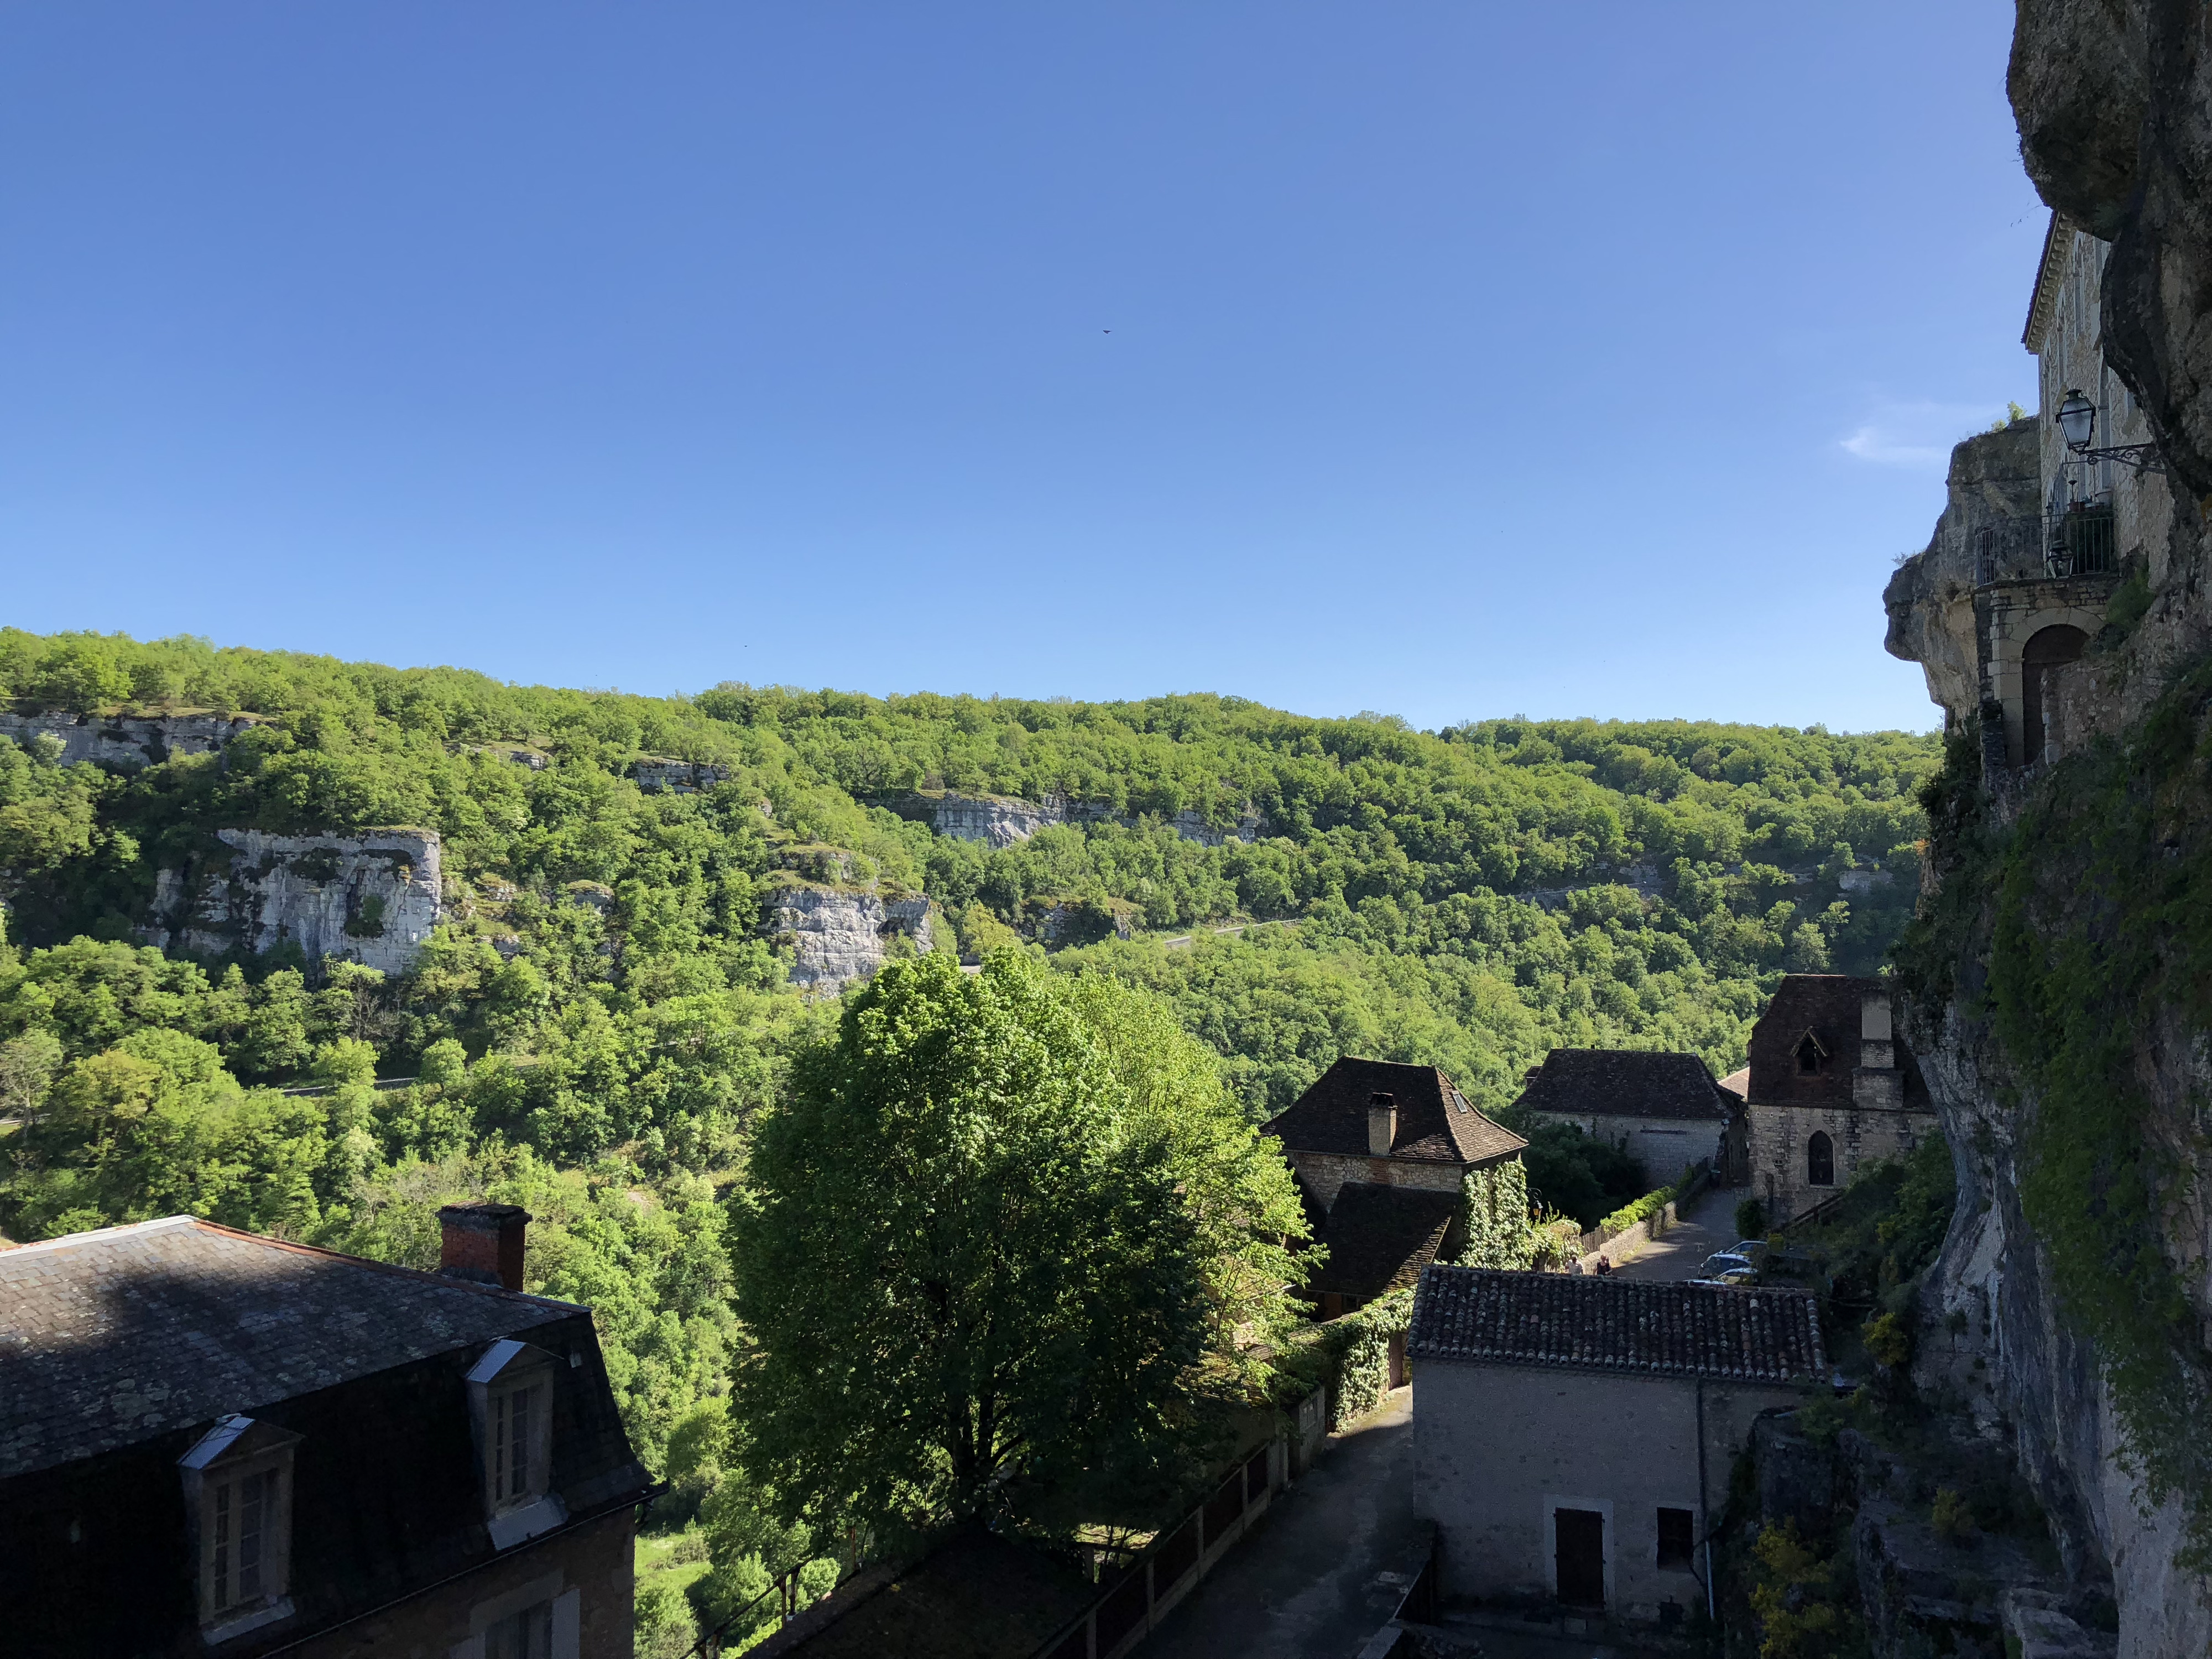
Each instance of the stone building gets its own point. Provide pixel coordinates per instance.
(217, 1443)
(2034, 540)
(1664, 1109)
(1573, 1436)
(1386, 1155)
(1831, 1090)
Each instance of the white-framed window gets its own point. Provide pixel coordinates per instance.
(527, 1634)
(510, 1407)
(237, 1498)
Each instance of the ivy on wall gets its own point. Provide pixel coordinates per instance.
(1498, 1230)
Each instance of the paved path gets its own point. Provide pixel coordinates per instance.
(1710, 1226)
(1310, 1583)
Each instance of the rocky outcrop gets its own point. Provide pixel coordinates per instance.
(655, 775)
(838, 934)
(2114, 103)
(372, 897)
(126, 742)
(999, 821)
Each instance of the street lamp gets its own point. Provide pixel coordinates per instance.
(2077, 424)
(2077, 420)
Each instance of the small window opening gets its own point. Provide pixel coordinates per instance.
(1678, 1537)
(1811, 1055)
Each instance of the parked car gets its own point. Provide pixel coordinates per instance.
(1751, 1250)
(1727, 1267)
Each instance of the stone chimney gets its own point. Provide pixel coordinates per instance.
(1877, 1084)
(1382, 1124)
(483, 1243)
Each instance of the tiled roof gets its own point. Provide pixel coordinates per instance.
(112, 1337)
(1379, 1238)
(1738, 1083)
(1435, 1121)
(1829, 1008)
(1652, 1328)
(1625, 1083)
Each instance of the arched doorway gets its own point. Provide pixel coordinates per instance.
(1820, 1160)
(2046, 649)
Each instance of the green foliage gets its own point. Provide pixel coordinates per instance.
(1750, 1218)
(1954, 1518)
(1576, 1174)
(1350, 1356)
(981, 1245)
(1888, 1340)
(1643, 1209)
(1804, 1594)
(1499, 1232)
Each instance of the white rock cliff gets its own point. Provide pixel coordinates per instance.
(372, 897)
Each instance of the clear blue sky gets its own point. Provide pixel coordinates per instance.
(1464, 359)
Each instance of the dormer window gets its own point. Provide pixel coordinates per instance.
(1812, 1054)
(238, 1497)
(511, 1406)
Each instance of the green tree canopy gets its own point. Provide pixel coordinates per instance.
(1002, 1232)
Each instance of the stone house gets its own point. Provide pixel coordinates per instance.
(1573, 1436)
(1664, 1109)
(2034, 540)
(1389, 1157)
(217, 1443)
(1831, 1090)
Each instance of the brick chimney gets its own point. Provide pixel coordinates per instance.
(483, 1243)
(1382, 1124)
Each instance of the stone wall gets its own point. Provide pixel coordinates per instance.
(127, 742)
(1663, 1145)
(1323, 1173)
(1497, 1448)
(838, 934)
(1860, 1136)
(372, 897)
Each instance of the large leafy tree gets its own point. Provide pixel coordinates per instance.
(1006, 1234)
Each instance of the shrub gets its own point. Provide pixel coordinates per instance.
(1750, 1220)
(1954, 1519)
(1888, 1340)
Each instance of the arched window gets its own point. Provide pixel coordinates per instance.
(1820, 1159)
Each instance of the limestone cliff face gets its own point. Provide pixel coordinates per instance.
(127, 742)
(1002, 820)
(836, 935)
(2114, 102)
(371, 898)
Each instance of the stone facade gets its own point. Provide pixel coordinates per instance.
(1323, 1173)
(838, 934)
(655, 775)
(126, 742)
(1499, 1449)
(1830, 1091)
(372, 897)
(585, 1574)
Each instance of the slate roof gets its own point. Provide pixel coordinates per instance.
(120, 1335)
(1828, 1005)
(1738, 1083)
(1646, 1083)
(1435, 1121)
(1379, 1238)
(1644, 1327)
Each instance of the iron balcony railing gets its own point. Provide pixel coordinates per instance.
(2077, 541)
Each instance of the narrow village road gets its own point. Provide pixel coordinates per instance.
(1310, 1584)
(1710, 1226)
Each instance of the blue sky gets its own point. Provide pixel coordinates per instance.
(1445, 360)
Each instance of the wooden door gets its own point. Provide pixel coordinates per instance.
(1579, 1552)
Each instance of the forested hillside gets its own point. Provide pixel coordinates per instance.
(603, 1011)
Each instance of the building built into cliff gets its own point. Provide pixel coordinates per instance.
(1664, 1110)
(1385, 1155)
(2045, 520)
(1830, 1090)
(216, 1443)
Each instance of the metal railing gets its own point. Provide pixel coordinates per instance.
(2081, 540)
